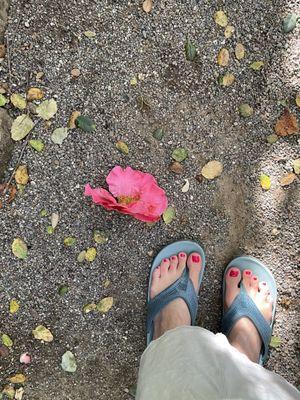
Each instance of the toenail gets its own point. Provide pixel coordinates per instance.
(195, 259)
(233, 273)
(166, 260)
(254, 278)
(264, 283)
(182, 255)
(248, 272)
(173, 258)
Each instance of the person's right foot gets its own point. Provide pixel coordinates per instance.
(244, 335)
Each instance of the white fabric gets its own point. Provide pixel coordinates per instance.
(191, 363)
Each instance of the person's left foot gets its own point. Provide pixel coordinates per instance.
(176, 313)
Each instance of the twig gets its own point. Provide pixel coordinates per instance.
(8, 60)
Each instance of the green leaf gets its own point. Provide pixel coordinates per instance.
(81, 256)
(37, 145)
(44, 213)
(190, 51)
(245, 110)
(158, 134)
(69, 241)
(272, 138)
(50, 230)
(100, 237)
(90, 254)
(257, 65)
(19, 248)
(289, 22)
(47, 109)
(179, 154)
(42, 333)
(105, 305)
(59, 135)
(122, 147)
(3, 100)
(13, 306)
(18, 101)
(6, 340)
(275, 341)
(85, 123)
(68, 362)
(63, 290)
(169, 215)
(21, 126)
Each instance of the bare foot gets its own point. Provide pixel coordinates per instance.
(244, 336)
(175, 313)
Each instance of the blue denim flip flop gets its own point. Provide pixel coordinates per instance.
(182, 288)
(244, 306)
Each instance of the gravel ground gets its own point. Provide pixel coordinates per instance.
(230, 215)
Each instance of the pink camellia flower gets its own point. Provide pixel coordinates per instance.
(135, 193)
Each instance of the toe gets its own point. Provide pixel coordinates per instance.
(247, 274)
(164, 266)
(173, 263)
(254, 283)
(263, 288)
(194, 261)
(181, 261)
(156, 275)
(232, 279)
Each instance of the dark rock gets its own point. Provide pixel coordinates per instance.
(6, 143)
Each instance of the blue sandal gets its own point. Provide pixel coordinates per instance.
(182, 288)
(244, 306)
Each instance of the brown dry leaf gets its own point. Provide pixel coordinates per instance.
(287, 179)
(34, 93)
(176, 167)
(18, 378)
(239, 51)
(212, 169)
(287, 124)
(223, 57)
(147, 5)
(21, 175)
(75, 72)
(2, 50)
(73, 117)
(226, 80)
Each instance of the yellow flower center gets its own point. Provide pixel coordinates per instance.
(125, 200)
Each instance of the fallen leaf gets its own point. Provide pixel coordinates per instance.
(25, 358)
(8, 391)
(69, 241)
(289, 22)
(106, 283)
(81, 256)
(158, 134)
(176, 167)
(21, 175)
(296, 166)
(4, 351)
(186, 186)
(226, 80)
(223, 57)
(179, 154)
(147, 5)
(39, 76)
(42, 333)
(19, 248)
(257, 65)
(212, 169)
(100, 237)
(18, 378)
(3, 100)
(239, 51)
(105, 304)
(122, 147)
(265, 181)
(54, 220)
(13, 306)
(169, 215)
(72, 119)
(2, 50)
(68, 362)
(143, 103)
(229, 30)
(297, 100)
(245, 110)
(18, 101)
(50, 230)
(37, 145)
(287, 124)
(190, 51)
(34, 93)
(275, 232)
(75, 72)
(85, 123)
(19, 394)
(89, 307)
(21, 126)
(63, 290)
(44, 213)
(272, 138)
(6, 340)
(89, 34)
(133, 81)
(47, 109)
(221, 18)
(90, 254)
(59, 135)
(287, 179)
(275, 341)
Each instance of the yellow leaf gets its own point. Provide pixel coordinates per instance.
(122, 147)
(72, 119)
(18, 101)
(13, 306)
(239, 51)
(90, 254)
(21, 126)
(18, 378)
(133, 81)
(223, 57)
(221, 18)
(42, 333)
(89, 34)
(296, 166)
(257, 65)
(287, 179)
(212, 169)
(229, 30)
(6, 340)
(19, 248)
(105, 304)
(298, 99)
(265, 181)
(34, 94)
(89, 307)
(21, 175)
(47, 109)
(227, 80)
(147, 5)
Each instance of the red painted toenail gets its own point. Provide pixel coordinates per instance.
(173, 258)
(264, 283)
(166, 260)
(248, 272)
(195, 259)
(182, 255)
(233, 273)
(254, 278)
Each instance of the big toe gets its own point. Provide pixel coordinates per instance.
(232, 280)
(194, 263)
